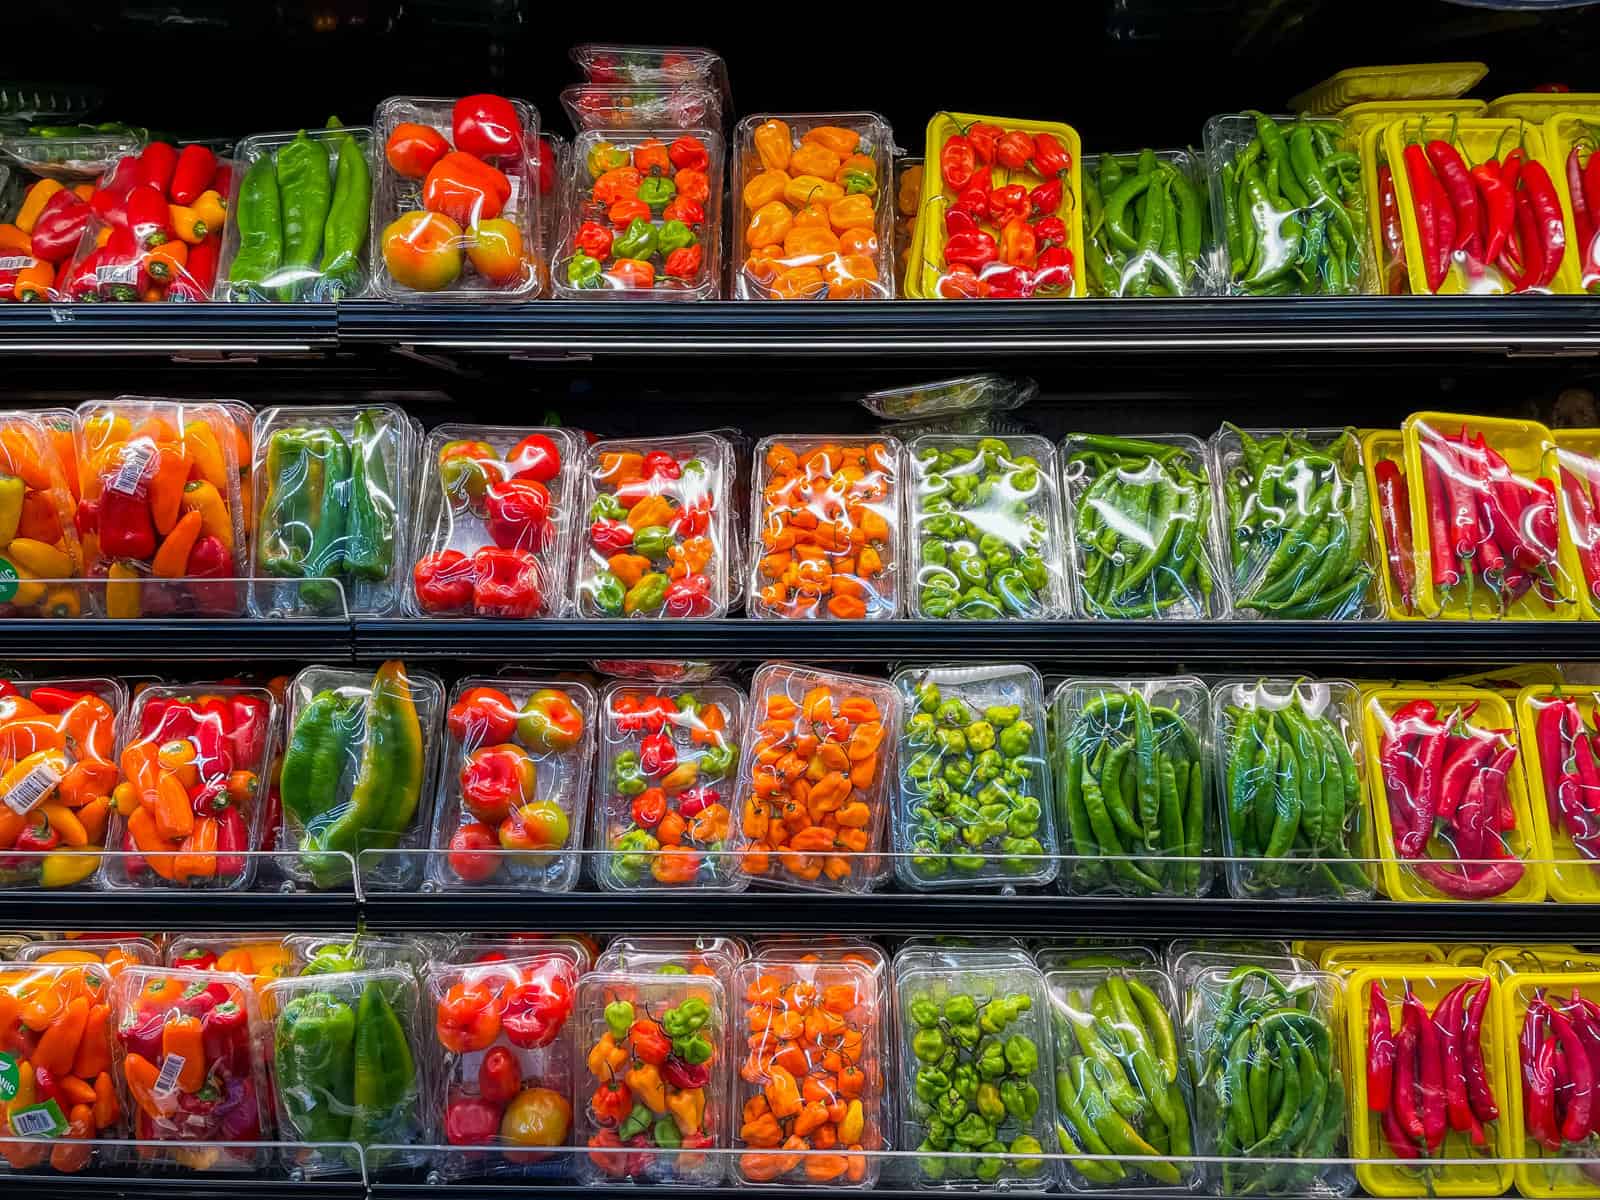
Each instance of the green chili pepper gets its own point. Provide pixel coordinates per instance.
(258, 216)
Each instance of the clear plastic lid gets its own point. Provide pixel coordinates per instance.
(951, 397)
(1147, 229)
(1080, 954)
(334, 954)
(515, 778)
(652, 66)
(816, 214)
(495, 522)
(115, 953)
(455, 216)
(827, 528)
(80, 156)
(975, 803)
(642, 216)
(664, 954)
(258, 955)
(631, 106)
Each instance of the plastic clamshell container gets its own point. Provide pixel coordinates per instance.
(1345, 957)
(698, 501)
(1094, 1005)
(454, 512)
(286, 460)
(630, 106)
(113, 951)
(1399, 880)
(299, 843)
(1456, 1174)
(1097, 857)
(1546, 1179)
(1402, 83)
(657, 995)
(1478, 140)
(651, 66)
(586, 199)
(374, 952)
(1536, 957)
(1364, 114)
(1331, 709)
(1541, 106)
(927, 751)
(1170, 595)
(852, 718)
(822, 501)
(1258, 521)
(836, 259)
(38, 456)
(951, 397)
(845, 1001)
(208, 758)
(1530, 452)
(1388, 242)
(69, 160)
(1378, 446)
(931, 235)
(1573, 874)
(346, 277)
(545, 808)
(907, 200)
(1578, 460)
(691, 755)
(1082, 954)
(395, 197)
(259, 955)
(663, 954)
(1565, 132)
(937, 978)
(1225, 137)
(1187, 966)
(1510, 679)
(1139, 274)
(985, 501)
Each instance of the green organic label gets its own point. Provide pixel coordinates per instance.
(8, 580)
(39, 1120)
(9, 1081)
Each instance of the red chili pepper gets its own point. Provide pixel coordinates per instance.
(1532, 247)
(1470, 827)
(1582, 218)
(957, 162)
(192, 175)
(1425, 792)
(157, 162)
(1430, 1070)
(1394, 507)
(1395, 1135)
(1497, 793)
(1585, 527)
(1500, 206)
(1548, 220)
(1394, 242)
(1468, 214)
(1434, 228)
(1548, 739)
(1537, 1051)
(1446, 572)
(1460, 772)
(1448, 1020)
(1471, 883)
(1479, 1093)
(1580, 1099)
(1405, 1079)
(1380, 1051)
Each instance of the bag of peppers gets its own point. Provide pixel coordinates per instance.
(1148, 225)
(1485, 519)
(1572, 139)
(1552, 1017)
(1269, 1079)
(1454, 821)
(1558, 726)
(1287, 194)
(1289, 767)
(1578, 461)
(1384, 459)
(1428, 1054)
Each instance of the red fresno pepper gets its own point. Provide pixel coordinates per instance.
(192, 175)
(1050, 157)
(505, 583)
(958, 162)
(157, 162)
(1478, 1090)
(1548, 221)
(1380, 1050)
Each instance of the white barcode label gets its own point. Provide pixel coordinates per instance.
(32, 788)
(117, 273)
(513, 202)
(167, 1081)
(129, 479)
(43, 1120)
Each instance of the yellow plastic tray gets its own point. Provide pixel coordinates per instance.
(1536, 958)
(1561, 131)
(1529, 450)
(1403, 81)
(1587, 443)
(1361, 117)
(1376, 446)
(1370, 149)
(1346, 957)
(928, 243)
(1541, 106)
(1431, 984)
(1516, 677)
(1466, 954)
(1399, 883)
(1477, 139)
(1535, 1180)
(1571, 882)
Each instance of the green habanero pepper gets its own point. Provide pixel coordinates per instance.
(603, 157)
(989, 1103)
(653, 540)
(991, 1060)
(583, 271)
(1022, 1056)
(1016, 739)
(931, 1083)
(928, 1045)
(634, 849)
(966, 1033)
(716, 761)
(973, 1130)
(647, 595)
(953, 713)
(1015, 593)
(964, 1081)
(640, 1119)
(675, 235)
(980, 736)
(607, 507)
(627, 776)
(693, 1049)
(657, 191)
(951, 1107)
(686, 1017)
(608, 593)
(639, 240)
(666, 1133)
(1027, 1144)
(991, 1161)
(1001, 715)
(1021, 1100)
(672, 969)
(960, 1008)
(619, 1018)
(923, 1012)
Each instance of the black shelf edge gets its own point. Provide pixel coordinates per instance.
(219, 1186)
(565, 1190)
(171, 910)
(1211, 642)
(167, 329)
(92, 639)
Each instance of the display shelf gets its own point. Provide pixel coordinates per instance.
(167, 329)
(92, 639)
(118, 1184)
(274, 912)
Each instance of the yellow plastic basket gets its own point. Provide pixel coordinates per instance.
(1377, 446)
(1562, 131)
(1573, 880)
(1361, 117)
(1541, 106)
(1539, 1181)
(1346, 957)
(1569, 442)
(1402, 81)
(1537, 958)
(1466, 954)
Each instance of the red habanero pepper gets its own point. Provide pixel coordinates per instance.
(1018, 246)
(976, 250)
(505, 583)
(1015, 150)
(960, 221)
(984, 137)
(1405, 1078)
(1550, 224)
(1050, 231)
(610, 537)
(688, 597)
(1045, 198)
(1478, 1091)
(1008, 202)
(157, 162)
(1008, 283)
(594, 239)
(958, 162)
(1380, 1051)
(1429, 204)
(657, 755)
(1448, 1019)
(1430, 1070)
(192, 174)
(1050, 157)
(974, 198)
(1469, 217)
(1394, 506)
(1054, 274)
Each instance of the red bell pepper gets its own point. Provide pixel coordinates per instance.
(126, 527)
(443, 581)
(506, 583)
(192, 174)
(486, 125)
(518, 512)
(60, 227)
(535, 457)
(196, 960)
(157, 162)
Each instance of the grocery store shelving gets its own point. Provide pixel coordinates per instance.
(90, 639)
(197, 330)
(115, 1184)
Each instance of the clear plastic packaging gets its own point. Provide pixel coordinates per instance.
(1289, 765)
(483, 947)
(59, 755)
(1001, 214)
(516, 778)
(975, 803)
(457, 222)
(1429, 1080)
(335, 954)
(1384, 460)
(1578, 463)
(951, 397)
(1239, 1037)
(637, 106)
(260, 956)
(660, 541)
(1186, 966)
(358, 771)
(1309, 238)
(503, 1063)
(323, 178)
(1570, 142)
(1408, 82)
(189, 1055)
(816, 218)
(650, 66)
(1080, 954)
(653, 670)
(69, 159)
(1555, 726)
(145, 465)
(1383, 209)
(827, 528)
(797, 1017)
(334, 497)
(983, 1014)
(1129, 831)
(670, 954)
(38, 533)
(1299, 528)
(495, 522)
(985, 529)
(642, 216)
(1116, 1046)
(56, 1030)
(194, 759)
(804, 721)
(1142, 527)
(345, 1067)
(1148, 229)
(1452, 813)
(115, 953)
(1485, 520)
(665, 1038)
(664, 804)
(907, 202)
(1541, 1012)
